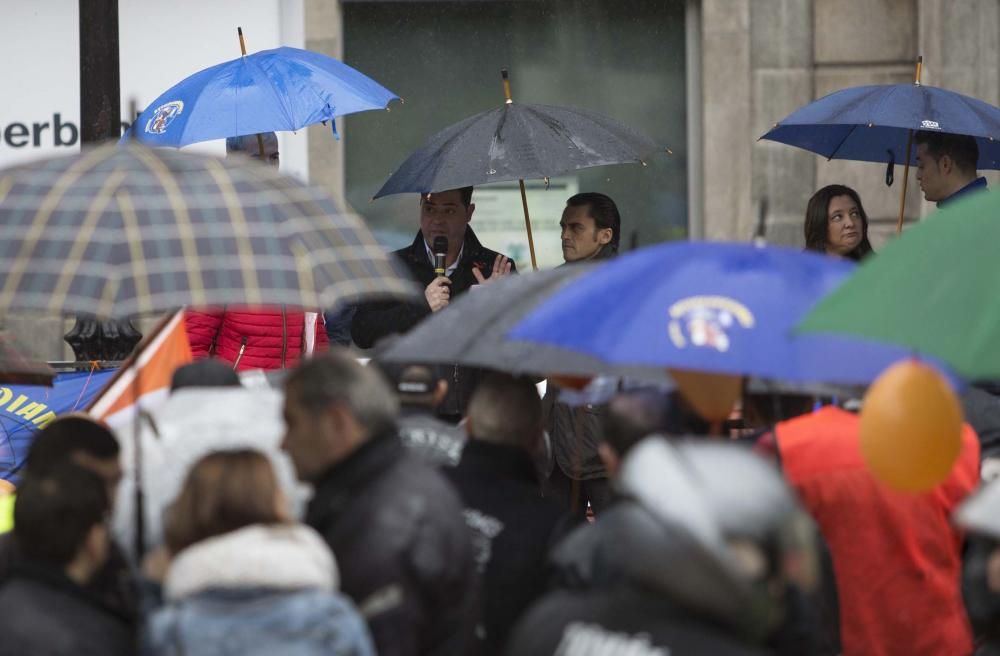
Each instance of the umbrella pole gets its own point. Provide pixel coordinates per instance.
(243, 51)
(524, 197)
(906, 168)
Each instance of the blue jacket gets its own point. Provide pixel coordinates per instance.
(255, 591)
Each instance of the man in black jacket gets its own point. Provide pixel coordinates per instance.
(467, 263)
(514, 527)
(395, 524)
(81, 440)
(590, 231)
(45, 607)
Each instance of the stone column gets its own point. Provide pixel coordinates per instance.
(726, 93)
(781, 69)
(324, 33)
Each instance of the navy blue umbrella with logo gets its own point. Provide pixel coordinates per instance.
(713, 307)
(876, 123)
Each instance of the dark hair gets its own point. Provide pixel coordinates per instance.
(236, 145)
(961, 148)
(56, 443)
(817, 225)
(223, 492)
(506, 409)
(604, 212)
(55, 511)
(337, 376)
(464, 192)
(208, 372)
(633, 415)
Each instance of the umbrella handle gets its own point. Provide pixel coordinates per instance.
(906, 167)
(524, 197)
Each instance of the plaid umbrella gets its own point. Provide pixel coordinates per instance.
(125, 230)
(17, 369)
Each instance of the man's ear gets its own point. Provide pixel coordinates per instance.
(946, 164)
(612, 462)
(95, 546)
(468, 212)
(604, 236)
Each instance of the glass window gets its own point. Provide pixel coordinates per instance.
(621, 58)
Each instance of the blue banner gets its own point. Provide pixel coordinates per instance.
(26, 409)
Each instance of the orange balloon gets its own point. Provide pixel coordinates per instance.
(910, 427)
(711, 395)
(577, 383)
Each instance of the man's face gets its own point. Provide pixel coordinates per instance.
(312, 439)
(580, 237)
(444, 215)
(109, 469)
(929, 175)
(252, 148)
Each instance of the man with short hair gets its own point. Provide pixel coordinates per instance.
(45, 603)
(946, 166)
(514, 527)
(421, 389)
(249, 145)
(88, 443)
(404, 553)
(467, 263)
(591, 229)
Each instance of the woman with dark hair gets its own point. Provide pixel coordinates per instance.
(836, 223)
(244, 578)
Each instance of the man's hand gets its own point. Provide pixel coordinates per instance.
(438, 293)
(501, 269)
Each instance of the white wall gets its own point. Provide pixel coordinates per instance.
(160, 44)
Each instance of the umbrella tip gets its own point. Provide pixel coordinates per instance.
(642, 162)
(670, 152)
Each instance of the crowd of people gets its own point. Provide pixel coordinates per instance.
(456, 511)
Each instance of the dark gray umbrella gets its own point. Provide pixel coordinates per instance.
(517, 142)
(472, 331)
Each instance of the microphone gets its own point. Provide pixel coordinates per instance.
(440, 249)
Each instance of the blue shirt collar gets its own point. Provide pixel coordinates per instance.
(979, 184)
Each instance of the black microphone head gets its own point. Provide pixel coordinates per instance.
(440, 244)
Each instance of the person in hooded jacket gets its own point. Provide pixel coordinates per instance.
(706, 534)
(243, 579)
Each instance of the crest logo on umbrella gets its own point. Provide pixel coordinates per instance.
(163, 116)
(705, 321)
(930, 125)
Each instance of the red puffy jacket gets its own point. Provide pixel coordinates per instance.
(252, 339)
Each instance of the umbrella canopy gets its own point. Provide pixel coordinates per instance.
(472, 331)
(931, 290)
(17, 369)
(271, 90)
(872, 123)
(125, 230)
(515, 142)
(708, 306)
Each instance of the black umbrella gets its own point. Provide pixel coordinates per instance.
(472, 331)
(515, 142)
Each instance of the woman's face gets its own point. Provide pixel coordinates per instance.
(844, 226)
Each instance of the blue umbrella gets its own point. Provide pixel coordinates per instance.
(872, 123)
(271, 90)
(708, 306)
(26, 409)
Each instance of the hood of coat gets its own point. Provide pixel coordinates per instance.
(282, 557)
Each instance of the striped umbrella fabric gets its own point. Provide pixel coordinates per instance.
(123, 230)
